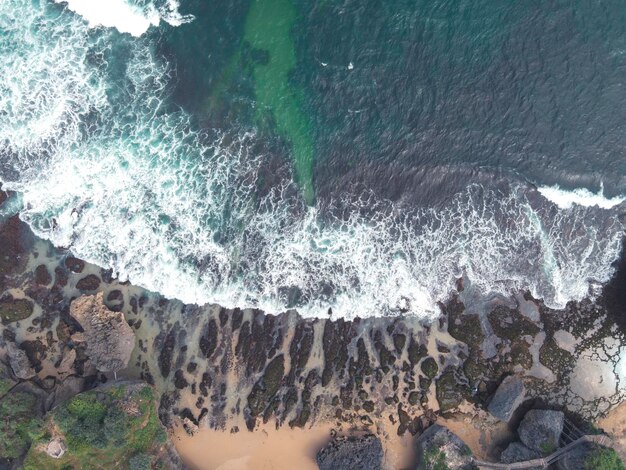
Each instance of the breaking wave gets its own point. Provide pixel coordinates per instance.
(580, 196)
(126, 17)
(108, 168)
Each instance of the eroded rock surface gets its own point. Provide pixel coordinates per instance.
(509, 395)
(439, 448)
(20, 363)
(109, 340)
(351, 453)
(213, 366)
(518, 452)
(540, 430)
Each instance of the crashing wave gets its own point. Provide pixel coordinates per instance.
(126, 17)
(111, 171)
(581, 196)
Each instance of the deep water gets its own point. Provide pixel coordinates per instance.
(358, 156)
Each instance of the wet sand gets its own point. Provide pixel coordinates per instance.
(279, 449)
(267, 448)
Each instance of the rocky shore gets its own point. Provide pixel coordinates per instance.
(68, 326)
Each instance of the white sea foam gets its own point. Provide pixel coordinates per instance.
(106, 171)
(580, 196)
(125, 16)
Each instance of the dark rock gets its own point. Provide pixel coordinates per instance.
(267, 386)
(179, 379)
(430, 367)
(439, 448)
(300, 349)
(302, 417)
(335, 340)
(36, 352)
(416, 352)
(399, 340)
(88, 283)
(115, 296)
(450, 393)
(576, 459)
(106, 275)
(509, 395)
(60, 277)
(518, 452)
(290, 400)
(205, 384)
(404, 419)
(42, 276)
(223, 317)
(66, 389)
(65, 329)
(208, 341)
(19, 362)
(237, 317)
(351, 453)
(167, 353)
(540, 430)
(15, 241)
(8, 335)
(12, 310)
(262, 336)
(74, 264)
(385, 357)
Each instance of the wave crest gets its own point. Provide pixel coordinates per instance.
(127, 17)
(581, 196)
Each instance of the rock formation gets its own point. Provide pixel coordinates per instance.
(518, 452)
(509, 395)
(351, 453)
(438, 448)
(540, 430)
(19, 362)
(109, 340)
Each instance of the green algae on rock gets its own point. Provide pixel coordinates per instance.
(12, 310)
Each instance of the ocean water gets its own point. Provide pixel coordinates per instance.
(353, 156)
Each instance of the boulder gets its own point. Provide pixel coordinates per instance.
(19, 362)
(65, 390)
(351, 453)
(56, 448)
(108, 338)
(576, 458)
(74, 264)
(42, 276)
(518, 452)
(67, 362)
(449, 392)
(540, 430)
(508, 397)
(89, 282)
(438, 447)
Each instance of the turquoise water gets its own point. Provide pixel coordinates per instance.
(355, 156)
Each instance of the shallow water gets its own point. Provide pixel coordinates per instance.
(356, 156)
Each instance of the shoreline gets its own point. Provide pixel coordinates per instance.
(232, 371)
